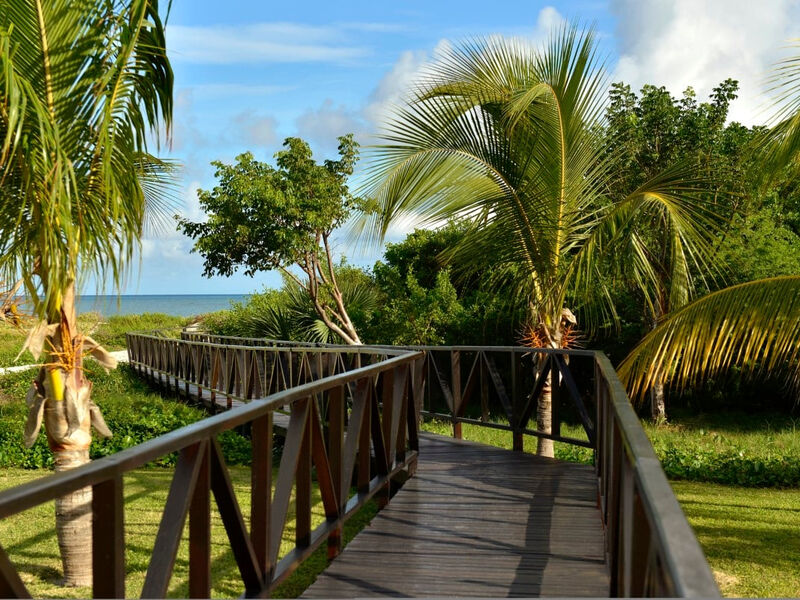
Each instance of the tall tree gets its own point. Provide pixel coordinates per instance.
(509, 136)
(262, 217)
(652, 132)
(83, 84)
(754, 325)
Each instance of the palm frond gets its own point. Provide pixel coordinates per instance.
(84, 83)
(755, 325)
(779, 147)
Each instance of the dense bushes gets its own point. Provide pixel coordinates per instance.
(134, 414)
(732, 468)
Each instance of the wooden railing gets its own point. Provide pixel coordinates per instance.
(211, 369)
(651, 548)
(353, 424)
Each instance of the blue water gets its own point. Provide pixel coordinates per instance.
(183, 305)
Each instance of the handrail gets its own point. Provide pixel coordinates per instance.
(361, 440)
(651, 549)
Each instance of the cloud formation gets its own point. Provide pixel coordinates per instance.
(270, 42)
(680, 43)
(255, 128)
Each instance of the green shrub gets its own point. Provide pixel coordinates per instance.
(133, 412)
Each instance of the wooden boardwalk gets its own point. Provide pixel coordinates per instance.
(478, 521)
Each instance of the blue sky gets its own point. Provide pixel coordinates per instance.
(250, 73)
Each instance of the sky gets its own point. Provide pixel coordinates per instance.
(250, 73)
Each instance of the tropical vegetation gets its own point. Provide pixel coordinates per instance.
(264, 218)
(753, 325)
(84, 86)
(508, 137)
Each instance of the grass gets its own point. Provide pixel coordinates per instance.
(751, 537)
(133, 411)
(30, 539)
(109, 331)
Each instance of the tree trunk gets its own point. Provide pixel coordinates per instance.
(74, 524)
(544, 421)
(60, 397)
(658, 407)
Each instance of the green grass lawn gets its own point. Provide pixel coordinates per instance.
(751, 537)
(30, 539)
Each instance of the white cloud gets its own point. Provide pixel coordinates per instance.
(186, 133)
(256, 129)
(224, 90)
(262, 43)
(681, 43)
(323, 125)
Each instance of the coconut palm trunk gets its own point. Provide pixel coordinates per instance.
(544, 417)
(60, 397)
(84, 86)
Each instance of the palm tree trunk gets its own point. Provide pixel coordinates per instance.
(544, 420)
(74, 523)
(658, 407)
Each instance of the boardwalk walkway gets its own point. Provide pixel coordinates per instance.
(478, 521)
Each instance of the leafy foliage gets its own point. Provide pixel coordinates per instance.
(263, 217)
(755, 325)
(83, 86)
(133, 412)
(508, 137)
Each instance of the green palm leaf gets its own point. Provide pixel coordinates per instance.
(84, 83)
(507, 136)
(755, 325)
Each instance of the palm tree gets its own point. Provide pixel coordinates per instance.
(754, 325)
(83, 85)
(290, 314)
(508, 136)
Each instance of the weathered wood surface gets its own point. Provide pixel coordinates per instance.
(478, 521)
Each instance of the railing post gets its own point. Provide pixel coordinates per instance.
(303, 486)
(625, 567)
(200, 532)
(261, 492)
(336, 410)
(108, 539)
(455, 384)
(555, 396)
(516, 406)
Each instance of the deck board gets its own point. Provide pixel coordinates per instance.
(474, 521)
(478, 521)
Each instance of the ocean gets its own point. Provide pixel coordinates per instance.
(183, 305)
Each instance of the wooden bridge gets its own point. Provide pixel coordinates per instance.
(458, 519)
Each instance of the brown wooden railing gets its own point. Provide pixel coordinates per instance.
(651, 548)
(351, 423)
(353, 415)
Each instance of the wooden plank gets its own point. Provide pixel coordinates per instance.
(478, 521)
(232, 519)
(200, 532)
(286, 471)
(108, 539)
(261, 490)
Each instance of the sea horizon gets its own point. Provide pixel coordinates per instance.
(182, 305)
